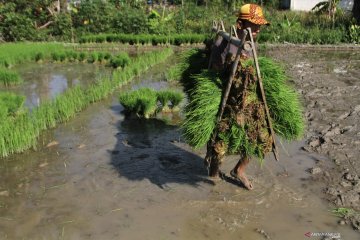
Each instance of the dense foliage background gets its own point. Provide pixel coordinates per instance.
(48, 20)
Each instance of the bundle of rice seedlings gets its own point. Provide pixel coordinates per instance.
(164, 98)
(205, 97)
(120, 60)
(8, 77)
(200, 112)
(142, 102)
(92, 57)
(169, 99)
(39, 56)
(175, 98)
(81, 56)
(286, 109)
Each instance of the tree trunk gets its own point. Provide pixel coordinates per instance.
(356, 10)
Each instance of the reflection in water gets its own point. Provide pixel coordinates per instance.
(46, 81)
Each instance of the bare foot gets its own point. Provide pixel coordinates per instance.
(243, 179)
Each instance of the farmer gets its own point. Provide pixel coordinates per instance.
(249, 16)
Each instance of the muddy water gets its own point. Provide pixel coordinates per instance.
(116, 178)
(46, 81)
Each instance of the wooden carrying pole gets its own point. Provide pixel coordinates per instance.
(231, 77)
(268, 119)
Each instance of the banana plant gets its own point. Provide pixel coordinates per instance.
(329, 7)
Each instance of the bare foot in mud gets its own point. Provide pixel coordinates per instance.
(241, 177)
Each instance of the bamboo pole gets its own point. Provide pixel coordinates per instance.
(268, 118)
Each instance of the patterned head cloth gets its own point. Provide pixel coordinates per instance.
(253, 13)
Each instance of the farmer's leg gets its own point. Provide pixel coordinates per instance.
(215, 155)
(239, 172)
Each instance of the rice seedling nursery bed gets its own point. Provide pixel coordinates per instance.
(19, 132)
(145, 39)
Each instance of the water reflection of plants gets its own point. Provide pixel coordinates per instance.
(146, 102)
(19, 132)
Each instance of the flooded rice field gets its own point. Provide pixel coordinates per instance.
(110, 177)
(44, 81)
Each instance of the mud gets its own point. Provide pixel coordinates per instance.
(110, 177)
(329, 82)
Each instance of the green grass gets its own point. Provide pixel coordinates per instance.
(9, 77)
(19, 133)
(306, 27)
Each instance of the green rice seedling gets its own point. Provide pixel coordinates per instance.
(17, 135)
(100, 38)
(81, 56)
(107, 56)
(14, 103)
(100, 56)
(69, 103)
(200, 112)
(92, 57)
(283, 101)
(4, 112)
(17, 53)
(204, 100)
(176, 98)
(169, 99)
(8, 77)
(120, 60)
(19, 132)
(39, 56)
(344, 212)
(174, 73)
(55, 56)
(101, 89)
(164, 97)
(44, 116)
(142, 102)
(62, 56)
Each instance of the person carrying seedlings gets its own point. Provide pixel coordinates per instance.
(243, 127)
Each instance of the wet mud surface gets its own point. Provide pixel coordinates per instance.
(329, 82)
(113, 177)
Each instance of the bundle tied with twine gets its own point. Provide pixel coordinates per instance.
(243, 127)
